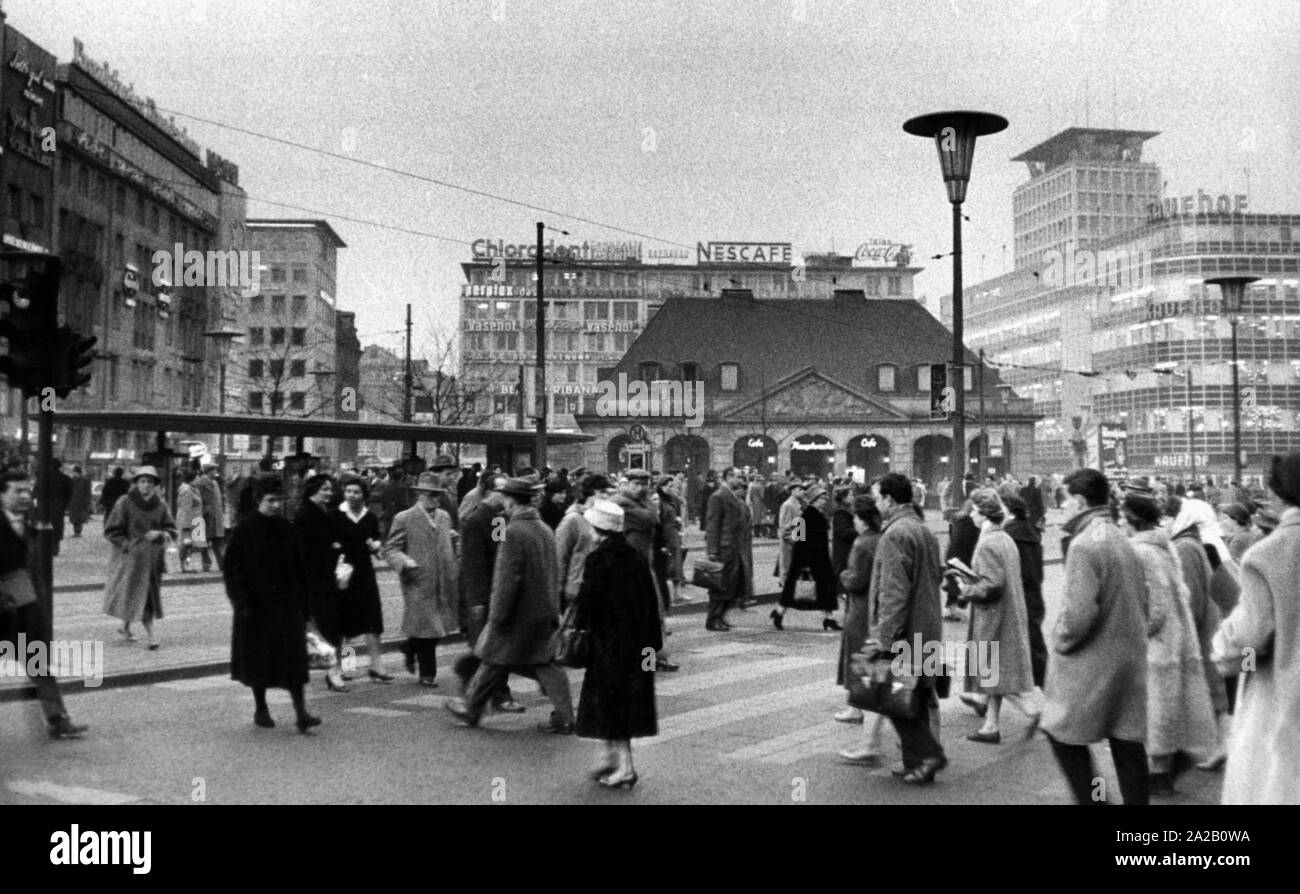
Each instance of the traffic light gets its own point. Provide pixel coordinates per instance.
(72, 353)
(29, 312)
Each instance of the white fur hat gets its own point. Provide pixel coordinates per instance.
(605, 515)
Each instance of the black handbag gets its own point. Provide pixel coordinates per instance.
(708, 574)
(873, 686)
(572, 641)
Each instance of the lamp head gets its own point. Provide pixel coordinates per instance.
(1233, 289)
(954, 135)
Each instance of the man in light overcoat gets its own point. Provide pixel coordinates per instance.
(1096, 683)
(419, 548)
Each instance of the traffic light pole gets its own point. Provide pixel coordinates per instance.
(42, 569)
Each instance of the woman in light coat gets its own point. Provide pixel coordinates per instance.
(189, 506)
(419, 548)
(1180, 717)
(138, 527)
(998, 620)
(1261, 639)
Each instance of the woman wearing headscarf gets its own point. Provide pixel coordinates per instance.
(318, 552)
(998, 618)
(356, 530)
(1185, 533)
(1180, 717)
(265, 584)
(811, 554)
(138, 527)
(1261, 638)
(856, 580)
(616, 605)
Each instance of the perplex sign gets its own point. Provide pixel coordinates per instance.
(744, 252)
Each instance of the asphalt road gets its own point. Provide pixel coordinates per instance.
(747, 720)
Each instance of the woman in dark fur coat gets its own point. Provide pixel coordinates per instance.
(264, 580)
(617, 606)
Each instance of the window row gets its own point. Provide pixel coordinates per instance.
(279, 304)
(273, 402)
(258, 335)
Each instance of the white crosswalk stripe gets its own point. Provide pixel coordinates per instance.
(69, 794)
(778, 750)
(723, 650)
(680, 685)
(677, 726)
(377, 712)
(197, 683)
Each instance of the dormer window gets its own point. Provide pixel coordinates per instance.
(886, 377)
(690, 372)
(730, 376)
(650, 371)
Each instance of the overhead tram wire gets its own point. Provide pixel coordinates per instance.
(755, 267)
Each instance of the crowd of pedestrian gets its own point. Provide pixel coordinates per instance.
(1176, 641)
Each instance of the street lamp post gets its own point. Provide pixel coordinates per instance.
(222, 339)
(1186, 375)
(1005, 390)
(954, 135)
(1234, 289)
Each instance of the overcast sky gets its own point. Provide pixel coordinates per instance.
(685, 121)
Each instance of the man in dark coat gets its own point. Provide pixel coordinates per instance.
(60, 497)
(523, 615)
(904, 605)
(265, 584)
(468, 481)
(642, 531)
(1032, 494)
(114, 489)
(706, 492)
(480, 533)
(962, 537)
(729, 539)
(396, 498)
(20, 612)
(79, 501)
(1029, 544)
(446, 470)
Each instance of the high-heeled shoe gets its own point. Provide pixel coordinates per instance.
(611, 782)
(307, 721)
(599, 774)
(380, 677)
(831, 624)
(340, 686)
(778, 619)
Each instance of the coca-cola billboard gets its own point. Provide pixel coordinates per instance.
(882, 253)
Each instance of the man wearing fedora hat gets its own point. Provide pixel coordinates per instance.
(419, 548)
(523, 615)
(446, 473)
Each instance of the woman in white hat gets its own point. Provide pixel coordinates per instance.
(138, 527)
(618, 607)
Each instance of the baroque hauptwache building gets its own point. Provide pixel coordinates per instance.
(838, 385)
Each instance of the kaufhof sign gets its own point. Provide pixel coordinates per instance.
(744, 253)
(583, 251)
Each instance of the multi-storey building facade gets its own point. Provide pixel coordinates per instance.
(598, 303)
(27, 198)
(131, 184)
(290, 361)
(1101, 297)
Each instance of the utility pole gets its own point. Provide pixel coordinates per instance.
(1191, 426)
(519, 405)
(408, 381)
(539, 451)
(984, 433)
